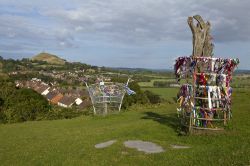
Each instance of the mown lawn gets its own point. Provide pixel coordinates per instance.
(71, 142)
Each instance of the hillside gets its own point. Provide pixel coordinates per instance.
(49, 58)
(71, 142)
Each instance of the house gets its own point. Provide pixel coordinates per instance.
(85, 104)
(78, 101)
(66, 101)
(42, 89)
(45, 92)
(36, 79)
(50, 95)
(62, 91)
(19, 84)
(55, 99)
(76, 93)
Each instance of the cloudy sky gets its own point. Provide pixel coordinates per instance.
(121, 33)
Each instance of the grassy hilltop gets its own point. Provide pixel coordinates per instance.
(71, 142)
(49, 58)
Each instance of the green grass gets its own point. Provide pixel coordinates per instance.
(166, 93)
(241, 81)
(50, 58)
(71, 142)
(151, 83)
(49, 65)
(3, 75)
(1, 66)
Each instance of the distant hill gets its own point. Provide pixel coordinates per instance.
(49, 58)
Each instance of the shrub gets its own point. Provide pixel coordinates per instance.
(153, 98)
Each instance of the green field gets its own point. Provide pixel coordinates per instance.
(241, 81)
(151, 83)
(166, 93)
(71, 142)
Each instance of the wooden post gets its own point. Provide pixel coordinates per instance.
(202, 45)
(91, 98)
(193, 96)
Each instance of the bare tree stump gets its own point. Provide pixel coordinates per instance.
(202, 45)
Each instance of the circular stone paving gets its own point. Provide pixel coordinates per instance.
(147, 147)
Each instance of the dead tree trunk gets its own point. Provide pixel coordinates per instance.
(202, 45)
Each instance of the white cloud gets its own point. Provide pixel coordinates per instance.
(128, 20)
(78, 28)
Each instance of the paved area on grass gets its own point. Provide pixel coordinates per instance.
(105, 144)
(147, 147)
(179, 147)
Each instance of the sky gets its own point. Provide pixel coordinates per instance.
(121, 33)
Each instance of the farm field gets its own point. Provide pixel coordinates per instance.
(242, 81)
(151, 83)
(167, 93)
(71, 142)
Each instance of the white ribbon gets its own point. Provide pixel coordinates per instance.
(212, 65)
(219, 95)
(209, 97)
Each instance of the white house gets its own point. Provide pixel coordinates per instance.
(45, 92)
(78, 101)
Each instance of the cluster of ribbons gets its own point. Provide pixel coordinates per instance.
(216, 96)
(184, 96)
(184, 66)
(208, 115)
(129, 91)
(211, 79)
(211, 85)
(209, 99)
(102, 89)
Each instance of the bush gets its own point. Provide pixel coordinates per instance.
(153, 98)
(24, 105)
(63, 113)
(139, 97)
(18, 105)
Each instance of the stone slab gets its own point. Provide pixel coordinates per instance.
(147, 147)
(105, 144)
